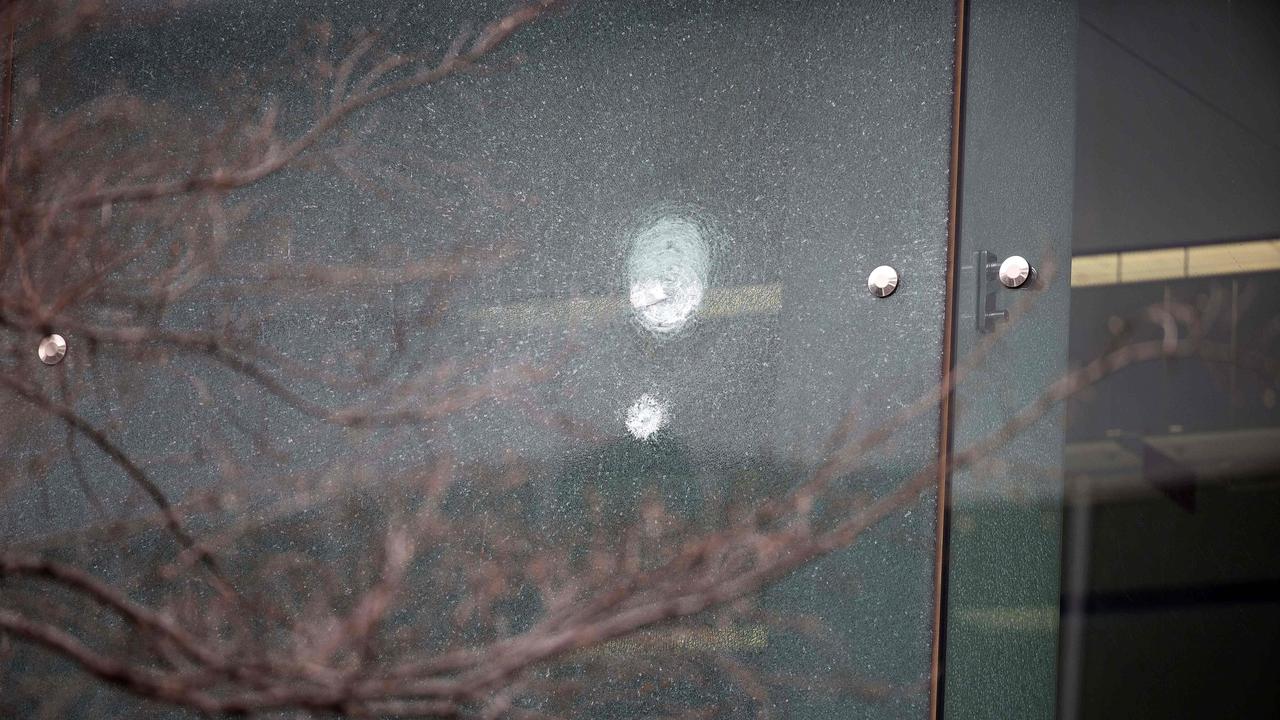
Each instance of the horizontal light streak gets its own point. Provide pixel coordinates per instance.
(1175, 263)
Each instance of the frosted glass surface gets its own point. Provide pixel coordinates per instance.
(622, 271)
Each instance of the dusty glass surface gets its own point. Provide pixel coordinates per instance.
(508, 340)
(1005, 500)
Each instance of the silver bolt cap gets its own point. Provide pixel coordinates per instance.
(1015, 271)
(882, 281)
(52, 349)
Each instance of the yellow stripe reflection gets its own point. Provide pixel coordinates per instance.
(1175, 263)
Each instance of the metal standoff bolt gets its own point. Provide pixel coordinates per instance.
(882, 281)
(1015, 271)
(52, 349)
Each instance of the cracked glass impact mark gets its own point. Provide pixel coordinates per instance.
(668, 269)
(646, 416)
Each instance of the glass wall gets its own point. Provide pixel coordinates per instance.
(1171, 580)
(398, 350)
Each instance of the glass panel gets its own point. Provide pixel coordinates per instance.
(438, 408)
(1171, 580)
(1006, 443)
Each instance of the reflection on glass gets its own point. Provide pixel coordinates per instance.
(432, 397)
(1171, 578)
